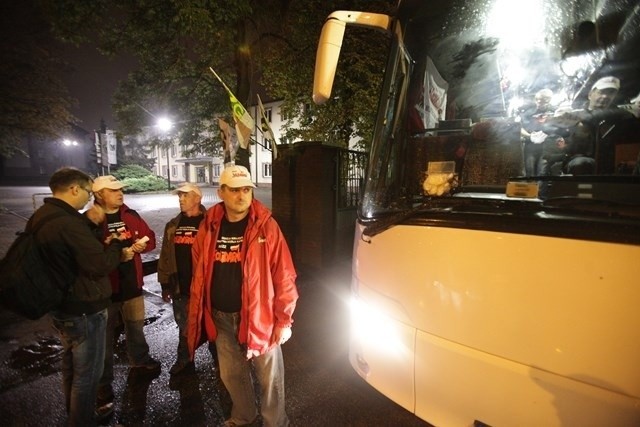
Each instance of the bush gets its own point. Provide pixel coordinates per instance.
(139, 179)
(147, 183)
(131, 171)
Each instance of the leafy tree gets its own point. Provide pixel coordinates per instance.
(253, 45)
(136, 153)
(288, 69)
(34, 103)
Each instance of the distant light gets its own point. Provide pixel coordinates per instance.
(70, 142)
(518, 24)
(164, 124)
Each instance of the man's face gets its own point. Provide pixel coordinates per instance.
(236, 200)
(601, 98)
(111, 199)
(542, 102)
(83, 195)
(189, 201)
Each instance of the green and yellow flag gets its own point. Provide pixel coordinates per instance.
(244, 121)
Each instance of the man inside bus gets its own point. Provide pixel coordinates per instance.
(534, 131)
(590, 145)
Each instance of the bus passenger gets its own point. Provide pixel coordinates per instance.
(590, 145)
(534, 131)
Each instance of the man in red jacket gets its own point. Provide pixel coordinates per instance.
(243, 295)
(126, 283)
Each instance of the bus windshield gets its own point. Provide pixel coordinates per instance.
(503, 98)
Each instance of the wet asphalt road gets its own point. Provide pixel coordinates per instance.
(321, 387)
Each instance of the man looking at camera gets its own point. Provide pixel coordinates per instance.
(243, 295)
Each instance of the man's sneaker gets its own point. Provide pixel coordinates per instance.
(103, 412)
(181, 366)
(150, 365)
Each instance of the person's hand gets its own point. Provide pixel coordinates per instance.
(538, 137)
(280, 335)
(96, 214)
(166, 296)
(126, 254)
(140, 244)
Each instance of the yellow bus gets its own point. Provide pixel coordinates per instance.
(496, 258)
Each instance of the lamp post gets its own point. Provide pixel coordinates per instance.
(165, 125)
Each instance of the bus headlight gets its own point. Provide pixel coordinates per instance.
(373, 329)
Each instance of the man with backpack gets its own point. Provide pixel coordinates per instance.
(79, 263)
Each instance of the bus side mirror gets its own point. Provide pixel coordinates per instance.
(330, 44)
(327, 59)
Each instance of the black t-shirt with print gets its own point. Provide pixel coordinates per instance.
(183, 241)
(126, 270)
(226, 286)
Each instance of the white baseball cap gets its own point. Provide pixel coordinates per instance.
(235, 177)
(106, 181)
(188, 187)
(608, 82)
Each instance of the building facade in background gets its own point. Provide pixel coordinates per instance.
(98, 153)
(173, 163)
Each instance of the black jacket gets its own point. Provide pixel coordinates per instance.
(76, 257)
(167, 265)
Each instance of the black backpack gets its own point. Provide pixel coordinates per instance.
(26, 285)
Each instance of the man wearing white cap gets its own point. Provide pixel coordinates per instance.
(126, 282)
(590, 148)
(243, 295)
(174, 265)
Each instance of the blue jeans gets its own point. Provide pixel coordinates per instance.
(532, 159)
(131, 312)
(235, 372)
(83, 342)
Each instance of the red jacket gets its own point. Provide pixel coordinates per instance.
(269, 292)
(138, 227)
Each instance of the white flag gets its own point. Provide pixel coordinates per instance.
(266, 129)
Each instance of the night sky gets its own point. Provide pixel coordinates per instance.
(92, 81)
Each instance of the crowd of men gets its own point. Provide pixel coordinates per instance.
(227, 271)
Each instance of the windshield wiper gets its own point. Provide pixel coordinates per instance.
(432, 205)
(597, 206)
(388, 222)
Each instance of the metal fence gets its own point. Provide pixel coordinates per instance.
(352, 166)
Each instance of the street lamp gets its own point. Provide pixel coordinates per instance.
(70, 142)
(165, 125)
(67, 143)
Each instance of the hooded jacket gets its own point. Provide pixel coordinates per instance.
(76, 257)
(139, 228)
(269, 292)
(167, 266)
